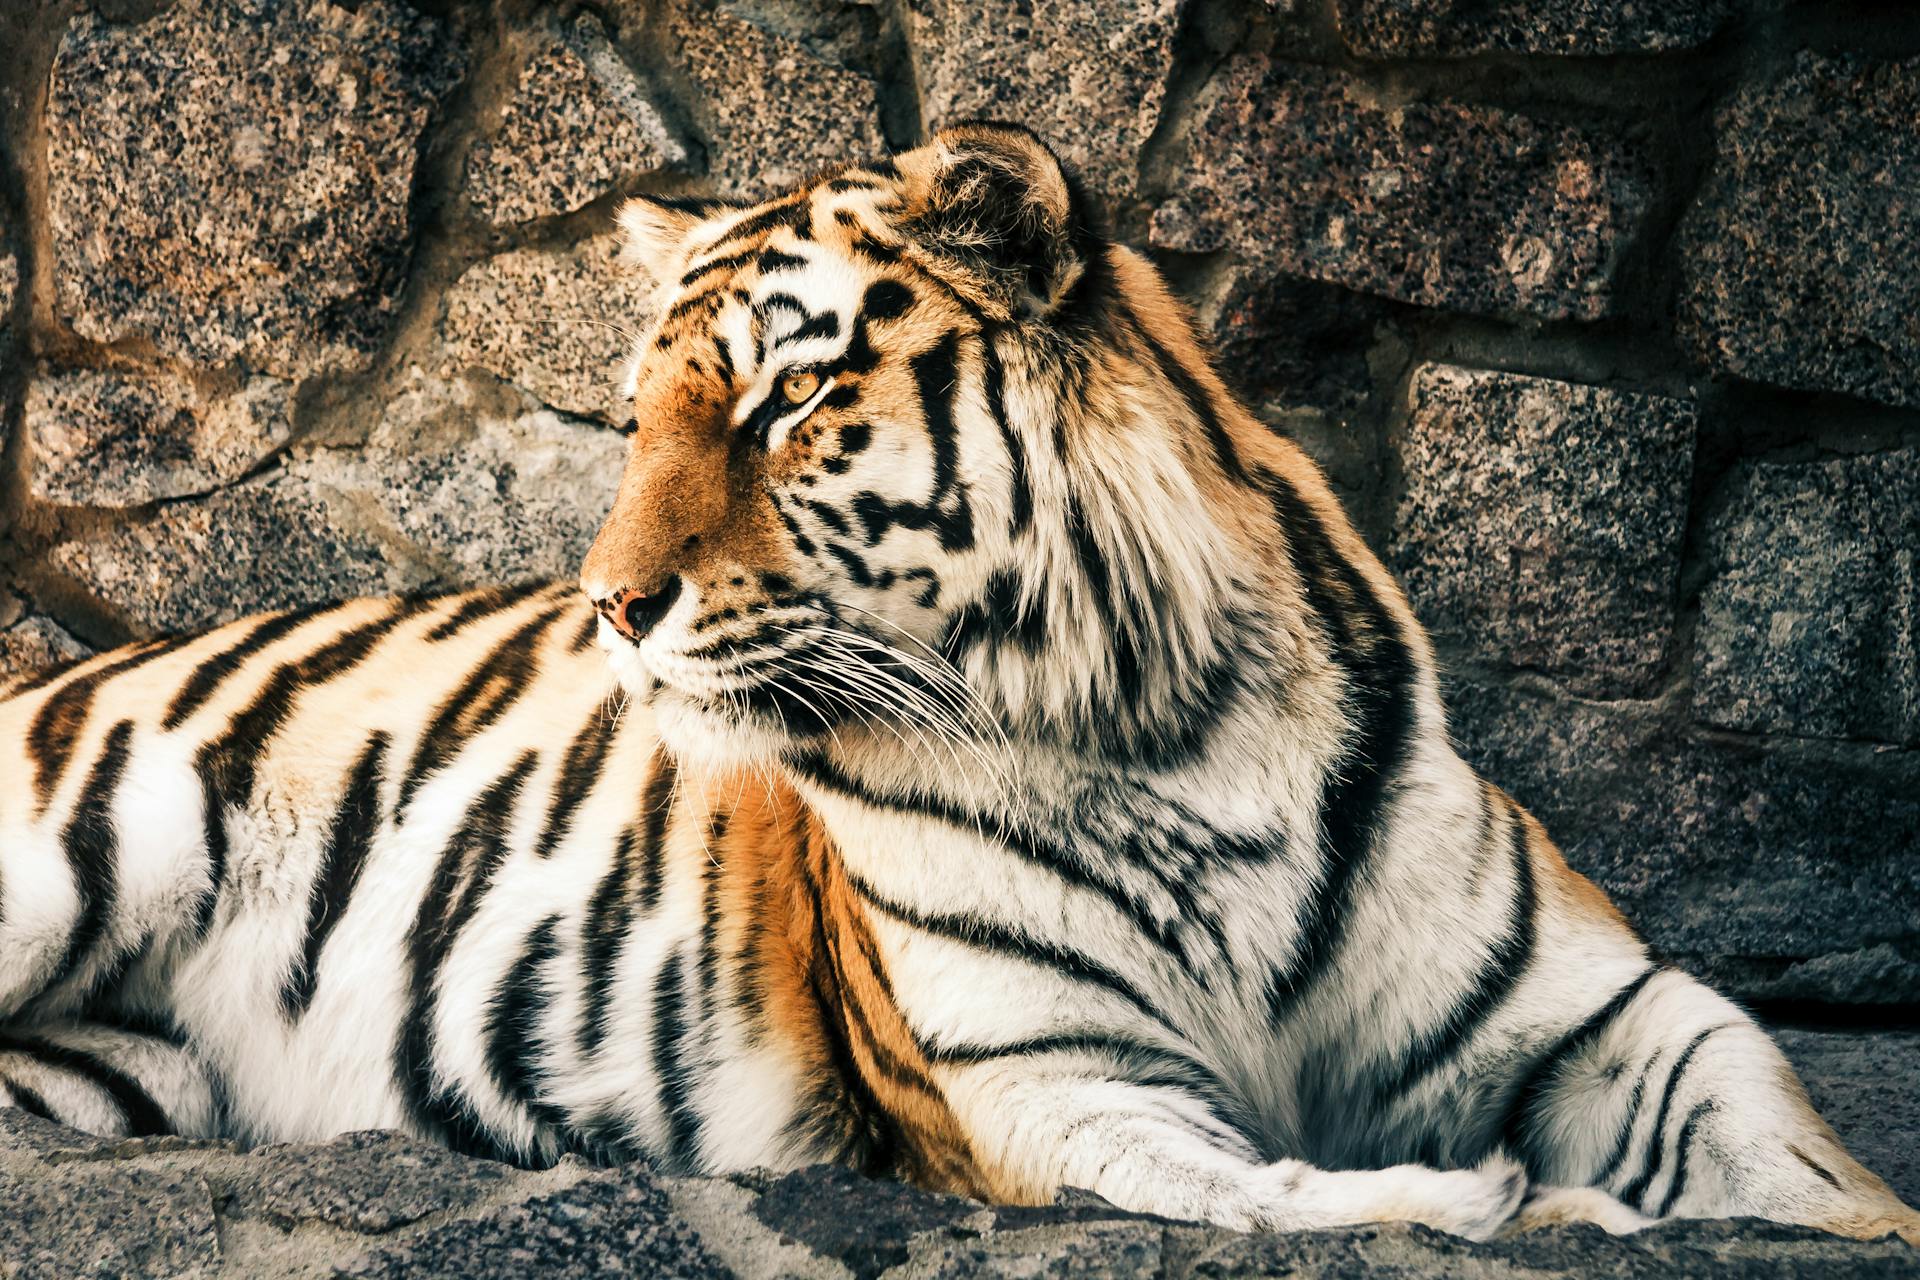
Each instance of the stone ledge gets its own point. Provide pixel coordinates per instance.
(381, 1205)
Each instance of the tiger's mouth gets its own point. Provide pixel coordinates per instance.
(789, 683)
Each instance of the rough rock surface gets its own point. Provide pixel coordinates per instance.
(31, 642)
(579, 124)
(561, 325)
(620, 1225)
(1088, 76)
(266, 543)
(269, 219)
(106, 1222)
(774, 114)
(1544, 520)
(104, 438)
(1777, 875)
(1467, 208)
(380, 1205)
(1454, 28)
(459, 484)
(1808, 626)
(472, 484)
(1295, 341)
(370, 1182)
(1797, 258)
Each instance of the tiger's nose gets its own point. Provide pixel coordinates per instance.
(634, 613)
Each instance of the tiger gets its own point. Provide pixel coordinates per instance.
(977, 751)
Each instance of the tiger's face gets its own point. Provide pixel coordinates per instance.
(829, 483)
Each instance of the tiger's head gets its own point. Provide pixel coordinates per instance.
(916, 453)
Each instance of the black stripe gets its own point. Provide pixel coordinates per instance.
(589, 631)
(1061, 861)
(632, 882)
(1498, 976)
(1199, 403)
(41, 679)
(1635, 1192)
(227, 764)
(208, 675)
(708, 970)
(1366, 646)
(873, 1133)
(580, 768)
(994, 390)
(989, 935)
(1623, 1141)
(58, 724)
(1820, 1170)
(670, 1034)
(144, 1117)
(656, 806)
(487, 693)
(348, 841)
(484, 604)
(790, 212)
(1536, 1083)
(1680, 1146)
(27, 1100)
(773, 261)
(1136, 1061)
(609, 915)
(513, 1023)
(93, 848)
(461, 878)
(711, 265)
(213, 818)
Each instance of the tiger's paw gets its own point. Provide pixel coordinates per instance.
(1475, 1203)
(1563, 1206)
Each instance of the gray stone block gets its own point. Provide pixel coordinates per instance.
(1797, 259)
(1089, 77)
(1587, 28)
(231, 178)
(1867, 1085)
(577, 126)
(1541, 521)
(561, 325)
(1466, 208)
(772, 113)
(867, 1225)
(1776, 875)
(104, 438)
(620, 1224)
(1808, 624)
(458, 485)
(31, 642)
(367, 1182)
(106, 1222)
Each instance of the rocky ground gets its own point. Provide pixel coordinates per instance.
(379, 1205)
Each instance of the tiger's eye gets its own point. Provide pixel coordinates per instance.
(797, 387)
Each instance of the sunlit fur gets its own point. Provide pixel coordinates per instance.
(1004, 768)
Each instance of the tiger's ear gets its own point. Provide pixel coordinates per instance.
(994, 199)
(656, 233)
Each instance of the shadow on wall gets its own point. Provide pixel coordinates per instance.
(1599, 314)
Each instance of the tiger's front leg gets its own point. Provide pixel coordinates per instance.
(1672, 1100)
(1067, 1117)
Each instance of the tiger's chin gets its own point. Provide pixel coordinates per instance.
(701, 734)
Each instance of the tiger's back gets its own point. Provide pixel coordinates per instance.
(412, 864)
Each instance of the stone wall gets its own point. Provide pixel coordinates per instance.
(1601, 313)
